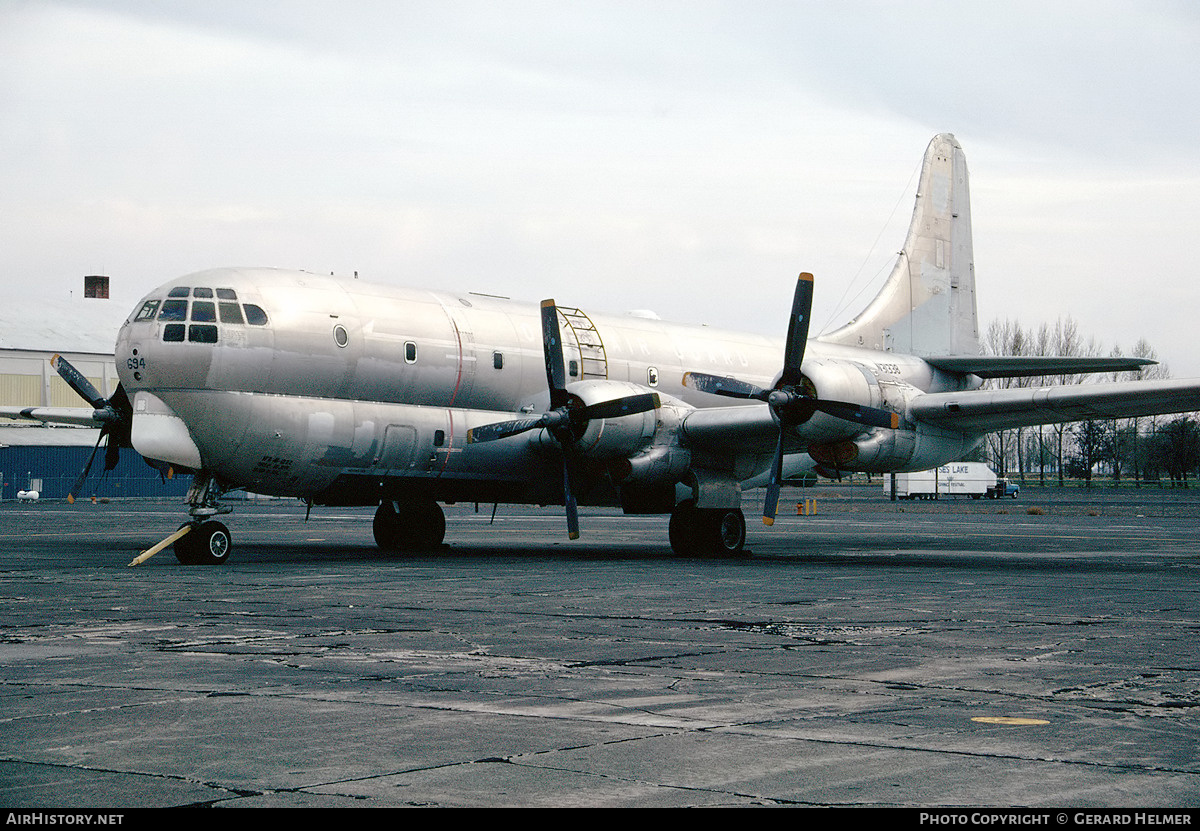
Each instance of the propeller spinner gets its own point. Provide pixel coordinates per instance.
(568, 416)
(793, 400)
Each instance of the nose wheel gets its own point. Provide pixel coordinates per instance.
(207, 543)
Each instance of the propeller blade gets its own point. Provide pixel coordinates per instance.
(112, 450)
(78, 382)
(83, 474)
(869, 416)
(501, 429)
(771, 501)
(569, 503)
(722, 385)
(629, 405)
(797, 337)
(556, 374)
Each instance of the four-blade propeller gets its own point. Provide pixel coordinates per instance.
(568, 416)
(115, 415)
(793, 400)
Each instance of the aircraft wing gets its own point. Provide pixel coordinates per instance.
(982, 411)
(731, 428)
(79, 416)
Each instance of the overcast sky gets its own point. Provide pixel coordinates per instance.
(686, 157)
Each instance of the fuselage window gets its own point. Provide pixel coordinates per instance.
(205, 293)
(147, 311)
(255, 316)
(340, 336)
(573, 369)
(179, 291)
(201, 333)
(173, 310)
(204, 311)
(439, 438)
(410, 352)
(174, 332)
(498, 360)
(652, 376)
(226, 294)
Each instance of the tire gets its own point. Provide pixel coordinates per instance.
(207, 544)
(682, 530)
(409, 526)
(696, 532)
(727, 532)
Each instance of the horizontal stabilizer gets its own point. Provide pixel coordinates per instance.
(1023, 366)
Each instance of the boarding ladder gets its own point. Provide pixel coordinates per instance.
(593, 359)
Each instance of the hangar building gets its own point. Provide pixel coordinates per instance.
(83, 329)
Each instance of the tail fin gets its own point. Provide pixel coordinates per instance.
(927, 305)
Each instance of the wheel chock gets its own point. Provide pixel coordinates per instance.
(150, 552)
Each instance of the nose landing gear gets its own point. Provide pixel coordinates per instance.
(203, 540)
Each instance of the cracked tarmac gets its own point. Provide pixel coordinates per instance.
(843, 663)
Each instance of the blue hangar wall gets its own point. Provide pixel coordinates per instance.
(58, 467)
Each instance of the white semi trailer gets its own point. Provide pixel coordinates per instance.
(973, 479)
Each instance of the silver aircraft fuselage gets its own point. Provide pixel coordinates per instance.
(291, 383)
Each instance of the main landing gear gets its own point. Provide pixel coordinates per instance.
(409, 526)
(707, 532)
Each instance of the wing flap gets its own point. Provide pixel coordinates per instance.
(982, 411)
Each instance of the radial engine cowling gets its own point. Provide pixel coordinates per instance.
(837, 382)
(605, 439)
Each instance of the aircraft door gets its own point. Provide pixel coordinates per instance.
(397, 452)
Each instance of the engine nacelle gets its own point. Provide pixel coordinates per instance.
(837, 382)
(605, 439)
(894, 451)
(663, 460)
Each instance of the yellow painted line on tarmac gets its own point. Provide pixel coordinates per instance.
(1009, 721)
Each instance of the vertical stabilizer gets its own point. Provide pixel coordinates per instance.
(927, 305)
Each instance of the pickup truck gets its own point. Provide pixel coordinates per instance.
(1003, 487)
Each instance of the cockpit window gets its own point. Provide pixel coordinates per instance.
(226, 294)
(174, 332)
(173, 310)
(147, 311)
(199, 292)
(204, 311)
(199, 333)
(230, 312)
(179, 291)
(255, 316)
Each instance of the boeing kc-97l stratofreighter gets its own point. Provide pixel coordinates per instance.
(341, 392)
